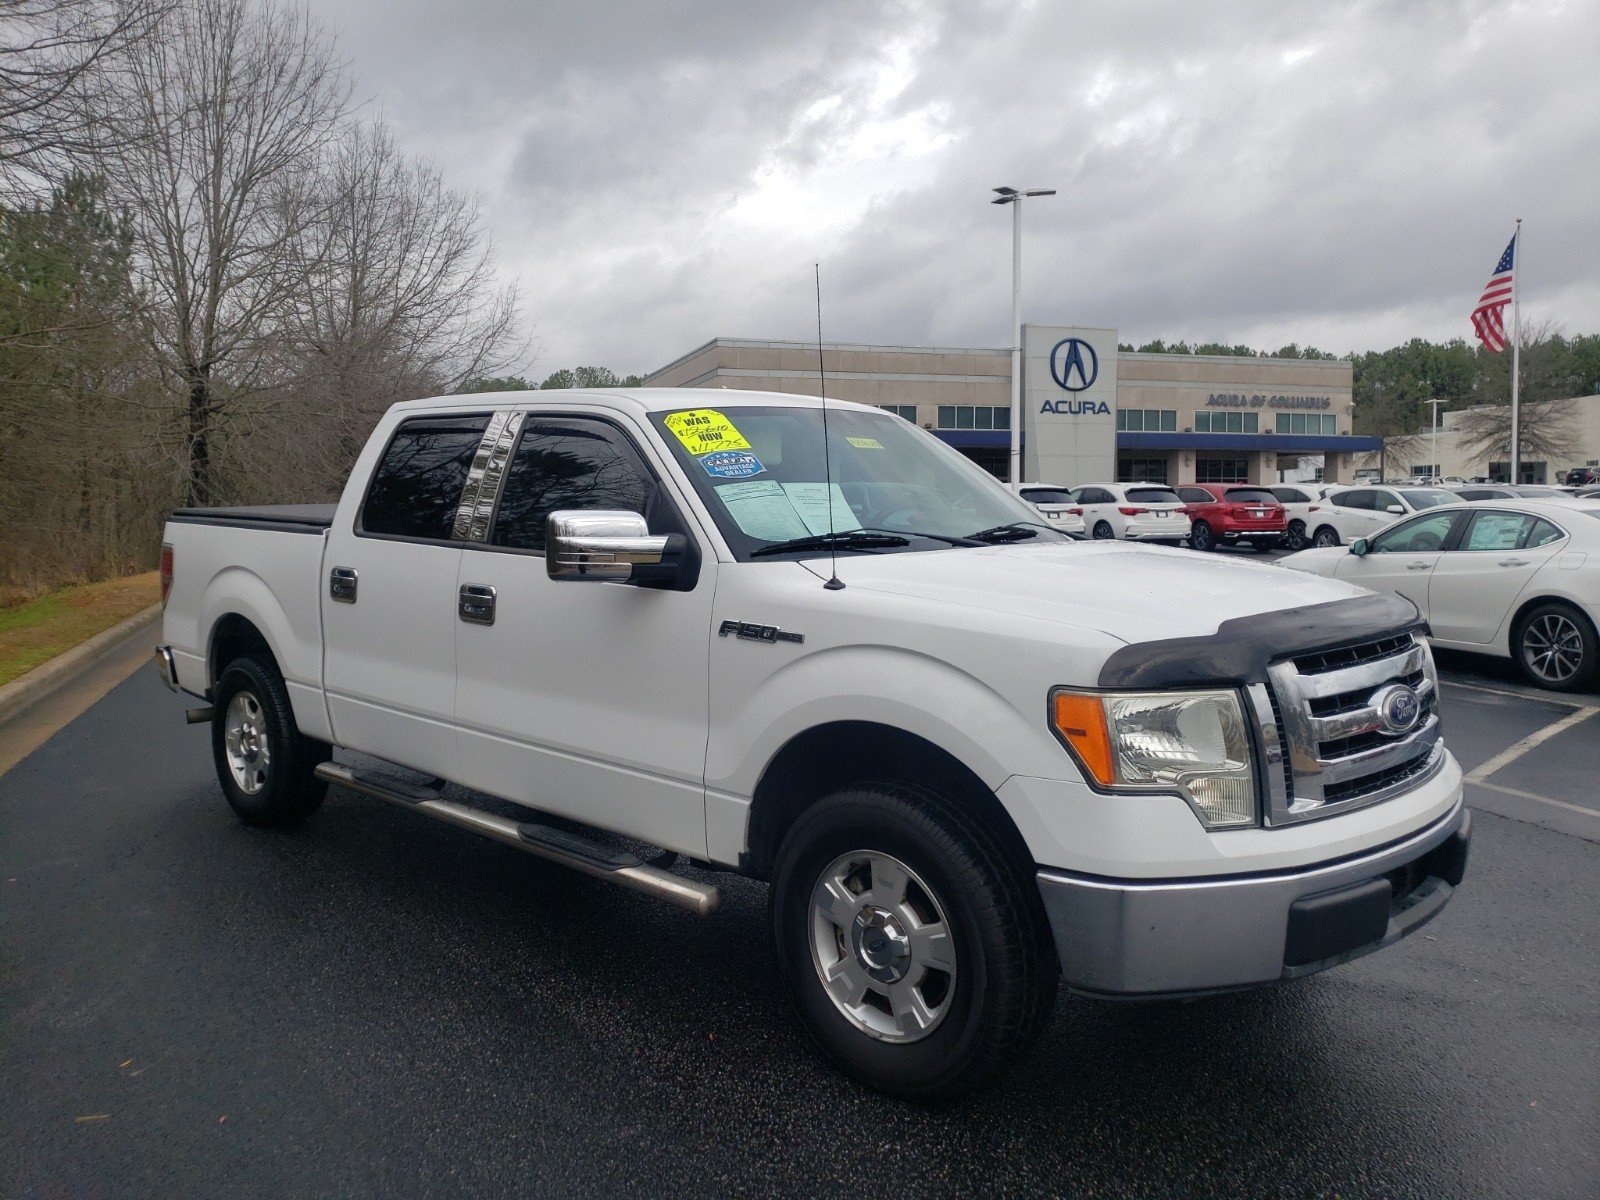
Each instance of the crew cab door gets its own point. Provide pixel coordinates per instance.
(388, 597)
(585, 699)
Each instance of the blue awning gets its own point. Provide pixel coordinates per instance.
(1283, 443)
(975, 439)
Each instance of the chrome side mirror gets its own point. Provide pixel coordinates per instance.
(599, 545)
(1359, 547)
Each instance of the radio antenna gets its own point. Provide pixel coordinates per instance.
(834, 584)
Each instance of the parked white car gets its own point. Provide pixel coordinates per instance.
(1345, 515)
(1135, 512)
(1514, 578)
(1297, 499)
(1506, 491)
(1055, 505)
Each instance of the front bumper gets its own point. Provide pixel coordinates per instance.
(1137, 939)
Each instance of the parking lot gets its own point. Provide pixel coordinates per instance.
(377, 1005)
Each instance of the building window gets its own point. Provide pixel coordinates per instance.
(1210, 469)
(908, 411)
(1532, 472)
(1141, 470)
(1315, 424)
(1226, 422)
(1147, 420)
(974, 416)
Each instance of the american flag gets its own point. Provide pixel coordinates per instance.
(1489, 318)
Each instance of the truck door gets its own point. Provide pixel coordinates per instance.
(389, 597)
(580, 698)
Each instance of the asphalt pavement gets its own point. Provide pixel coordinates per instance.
(375, 1005)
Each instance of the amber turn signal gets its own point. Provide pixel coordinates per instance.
(1081, 720)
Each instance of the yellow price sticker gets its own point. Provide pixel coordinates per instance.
(702, 430)
(865, 443)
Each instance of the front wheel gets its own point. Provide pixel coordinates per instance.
(1296, 536)
(264, 763)
(1555, 647)
(916, 947)
(1326, 536)
(1201, 537)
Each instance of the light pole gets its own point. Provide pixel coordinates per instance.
(1013, 197)
(1437, 471)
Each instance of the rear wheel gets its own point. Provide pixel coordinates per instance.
(916, 948)
(264, 763)
(1296, 535)
(1201, 537)
(1103, 531)
(1326, 535)
(1555, 646)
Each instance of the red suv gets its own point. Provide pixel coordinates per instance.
(1235, 513)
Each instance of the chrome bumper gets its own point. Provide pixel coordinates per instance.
(167, 668)
(1126, 938)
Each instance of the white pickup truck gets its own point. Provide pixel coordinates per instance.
(970, 755)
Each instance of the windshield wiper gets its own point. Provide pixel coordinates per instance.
(844, 539)
(1016, 531)
(932, 537)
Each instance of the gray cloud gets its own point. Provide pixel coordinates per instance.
(1342, 174)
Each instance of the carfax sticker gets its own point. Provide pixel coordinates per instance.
(703, 430)
(732, 464)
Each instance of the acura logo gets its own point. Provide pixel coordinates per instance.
(1074, 365)
(1398, 708)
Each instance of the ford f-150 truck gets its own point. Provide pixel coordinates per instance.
(692, 632)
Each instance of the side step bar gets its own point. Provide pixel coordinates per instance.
(557, 845)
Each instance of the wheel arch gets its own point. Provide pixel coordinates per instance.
(1524, 607)
(824, 758)
(232, 636)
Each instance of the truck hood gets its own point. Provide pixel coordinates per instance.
(1132, 593)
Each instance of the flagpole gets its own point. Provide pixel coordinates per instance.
(1516, 350)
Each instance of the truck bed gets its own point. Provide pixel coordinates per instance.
(280, 518)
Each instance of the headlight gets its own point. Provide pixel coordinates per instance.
(1194, 743)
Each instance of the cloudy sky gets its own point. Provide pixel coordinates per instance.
(1342, 174)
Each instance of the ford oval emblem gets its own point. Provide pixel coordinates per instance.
(1398, 708)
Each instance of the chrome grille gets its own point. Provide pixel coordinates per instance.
(1327, 751)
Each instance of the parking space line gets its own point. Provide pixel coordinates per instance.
(1522, 795)
(1518, 748)
(1550, 697)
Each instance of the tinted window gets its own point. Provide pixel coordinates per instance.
(1287, 495)
(1359, 498)
(1153, 496)
(417, 486)
(1094, 495)
(1047, 495)
(1421, 498)
(1476, 494)
(1543, 534)
(1251, 496)
(1382, 500)
(1534, 493)
(1195, 495)
(1418, 535)
(566, 463)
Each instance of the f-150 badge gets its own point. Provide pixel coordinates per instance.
(758, 633)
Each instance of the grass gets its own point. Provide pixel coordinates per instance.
(35, 632)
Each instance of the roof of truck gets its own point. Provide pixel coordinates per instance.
(641, 400)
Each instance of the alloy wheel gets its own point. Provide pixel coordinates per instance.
(245, 736)
(1552, 647)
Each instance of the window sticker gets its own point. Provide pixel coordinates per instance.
(813, 500)
(761, 510)
(865, 443)
(704, 430)
(731, 464)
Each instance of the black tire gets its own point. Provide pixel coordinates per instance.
(1296, 536)
(1555, 647)
(1201, 538)
(1261, 547)
(1326, 535)
(285, 789)
(1005, 976)
(1103, 532)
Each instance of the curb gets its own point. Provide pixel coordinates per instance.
(29, 689)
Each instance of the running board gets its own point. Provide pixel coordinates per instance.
(557, 845)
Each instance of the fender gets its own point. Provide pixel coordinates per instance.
(298, 652)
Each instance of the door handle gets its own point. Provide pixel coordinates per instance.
(1513, 562)
(1418, 566)
(342, 585)
(475, 604)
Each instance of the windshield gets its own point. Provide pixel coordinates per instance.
(1153, 496)
(1428, 497)
(761, 472)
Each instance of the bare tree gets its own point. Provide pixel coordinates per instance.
(50, 50)
(218, 127)
(1548, 410)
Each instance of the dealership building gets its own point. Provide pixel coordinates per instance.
(1090, 413)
